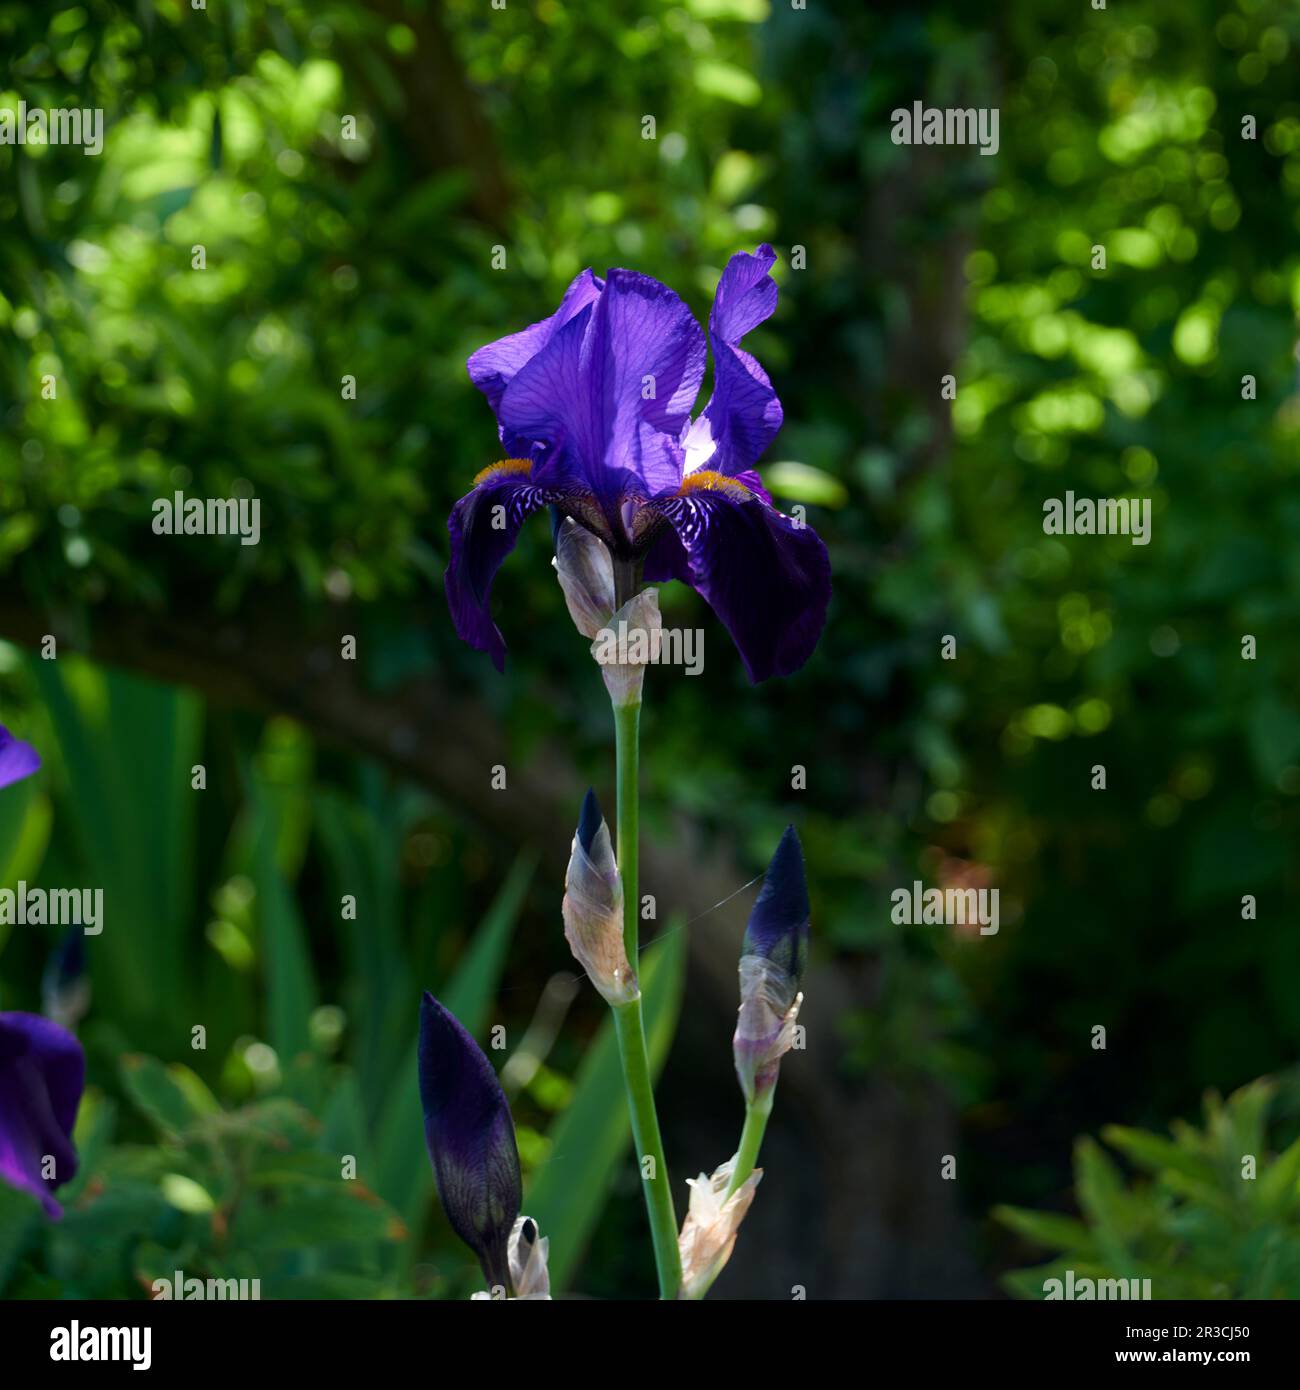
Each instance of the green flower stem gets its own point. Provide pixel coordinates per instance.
(751, 1138)
(645, 1132)
(629, 1024)
(627, 735)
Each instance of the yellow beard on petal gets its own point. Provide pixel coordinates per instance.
(706, 480)
(497, 470)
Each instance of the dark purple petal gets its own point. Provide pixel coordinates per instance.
(766, 576)
(584, 395)
(743, 415)
(42, 1074)
(471, 1139)
(17, 759)
(780, 921)
(492, 368)
(481, 538)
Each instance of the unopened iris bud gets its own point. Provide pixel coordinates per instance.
(593, 908)
(772, 961)
(471, 1140)
(709, 1231)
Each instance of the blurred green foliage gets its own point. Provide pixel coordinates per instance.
(249, 1193)
(252, 1134)
(1216, 1213)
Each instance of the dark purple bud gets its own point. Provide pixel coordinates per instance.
(471, 1140)
(589, 820)
(779, 924)
(772, 961)
(42, 1074)
(17, 759)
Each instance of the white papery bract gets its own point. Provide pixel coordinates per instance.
(712, 1221)
(527, 1252)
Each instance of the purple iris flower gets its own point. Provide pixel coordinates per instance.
(593, 407)
(17, 759)
(42, 1074)
(471, 1139)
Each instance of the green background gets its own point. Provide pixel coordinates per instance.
(522, 129)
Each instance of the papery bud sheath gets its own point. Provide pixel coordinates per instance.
(593, 908)
(709, 1231)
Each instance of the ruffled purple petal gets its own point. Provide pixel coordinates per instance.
(17, 759)
(471, 1138)
(610, 394)
(42, 1075)
(767, 577)
(492, 368)
(481, 538)
(743, 415)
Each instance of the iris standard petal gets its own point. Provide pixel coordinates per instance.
(766, 576)
(42, 1075)
(484, 527)
(610, 394)
(471, 1139)
(492, 368)
(17, 759)
(743, 415)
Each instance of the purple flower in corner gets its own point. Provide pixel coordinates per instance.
(471, 1140)
(17, 759)
(593, 407)
(42, 1074)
